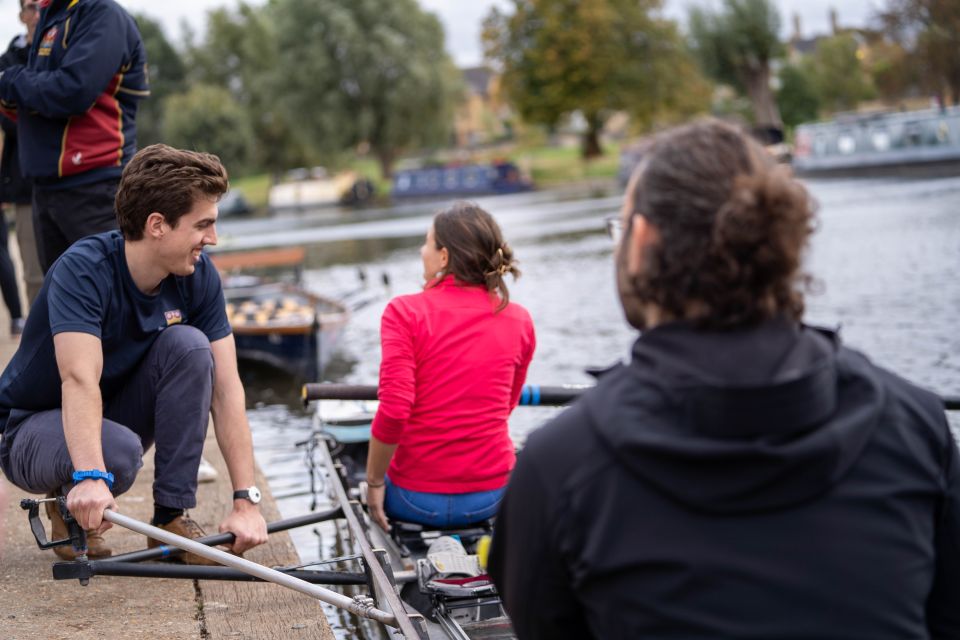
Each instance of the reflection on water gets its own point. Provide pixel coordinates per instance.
(885, 256)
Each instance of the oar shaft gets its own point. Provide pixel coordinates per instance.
(532, 395)
(252, 568)
(165, 551)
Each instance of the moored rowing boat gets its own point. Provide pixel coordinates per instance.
(279, 324)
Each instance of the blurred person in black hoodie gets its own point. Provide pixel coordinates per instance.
(744, 475)
(15, 189)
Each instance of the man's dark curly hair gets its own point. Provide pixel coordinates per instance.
(733, 226)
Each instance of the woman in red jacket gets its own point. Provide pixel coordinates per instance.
(454, 360)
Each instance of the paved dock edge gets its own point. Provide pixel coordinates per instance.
(33, 606)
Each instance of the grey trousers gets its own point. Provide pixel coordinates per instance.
(32, 273)
(166, 402)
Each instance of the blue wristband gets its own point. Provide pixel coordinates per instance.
(93, 474)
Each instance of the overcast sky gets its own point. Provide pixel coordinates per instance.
(461, 18)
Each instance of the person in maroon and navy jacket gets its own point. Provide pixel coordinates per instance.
(455, 357)
(75, 103)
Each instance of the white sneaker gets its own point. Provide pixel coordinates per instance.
(206, 472)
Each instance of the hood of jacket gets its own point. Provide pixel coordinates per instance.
(738, 421)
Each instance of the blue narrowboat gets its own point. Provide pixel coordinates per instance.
(466, 180)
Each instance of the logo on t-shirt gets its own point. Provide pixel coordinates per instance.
(173, 316)
(46, 45)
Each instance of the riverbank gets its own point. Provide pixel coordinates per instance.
(549, 167)
(33, 606)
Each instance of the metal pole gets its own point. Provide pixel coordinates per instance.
(357, 606)
(76, 570)
(532, 395)
(167, 551)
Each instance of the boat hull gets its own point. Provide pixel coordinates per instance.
(301, 343)
(452, 182)
(908, 144)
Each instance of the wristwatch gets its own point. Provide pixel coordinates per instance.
(251, 493)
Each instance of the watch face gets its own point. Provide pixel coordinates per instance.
(254, 495)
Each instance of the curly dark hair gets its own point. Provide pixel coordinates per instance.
(478, 254)
(732, 224)
(166, 180)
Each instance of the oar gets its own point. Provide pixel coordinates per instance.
(533, 395)
(166, 551)
(361, 607)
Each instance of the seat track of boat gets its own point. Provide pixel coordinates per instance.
(412, 626)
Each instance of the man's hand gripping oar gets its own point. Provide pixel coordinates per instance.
(76, 534)
(87, 502)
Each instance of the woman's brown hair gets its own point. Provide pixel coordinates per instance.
(477, 252)
(732, 225)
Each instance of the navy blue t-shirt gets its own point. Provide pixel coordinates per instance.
(89, 289)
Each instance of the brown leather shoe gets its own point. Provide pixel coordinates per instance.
(188, 528)
(96, 546)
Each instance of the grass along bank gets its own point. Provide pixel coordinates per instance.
(548, 166)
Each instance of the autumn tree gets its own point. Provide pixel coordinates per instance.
(889, 68)
(931, 30)
(736, 46)
(593, 56)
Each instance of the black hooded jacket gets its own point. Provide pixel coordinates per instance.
(761, 483)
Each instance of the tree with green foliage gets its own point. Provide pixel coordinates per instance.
(933, 28)
(797, 96)
(836, 69)
(736, 46)
(239, 54)
(371, 72)
(592, 56)
(167, 77)
(889, 69)
(205, 118)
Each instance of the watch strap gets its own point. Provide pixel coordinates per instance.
(93, 474)
(251, 494)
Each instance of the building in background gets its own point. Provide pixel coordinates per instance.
(483, 117)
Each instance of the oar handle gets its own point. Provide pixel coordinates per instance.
(531, 396)
(354, 605)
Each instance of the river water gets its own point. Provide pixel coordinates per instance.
(885, 258)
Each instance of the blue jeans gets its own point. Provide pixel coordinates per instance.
(441, 509)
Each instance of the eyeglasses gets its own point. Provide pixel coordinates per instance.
(614, 225)
(33, 7)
